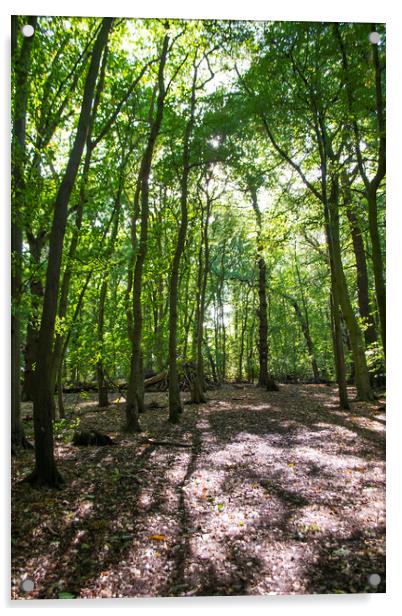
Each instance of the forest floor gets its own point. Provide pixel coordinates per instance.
(279, 493)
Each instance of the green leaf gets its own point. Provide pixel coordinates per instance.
(66, 595)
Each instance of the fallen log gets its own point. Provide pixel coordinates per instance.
(156, 379)
(91, 437)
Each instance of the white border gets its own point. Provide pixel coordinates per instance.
(314, 10)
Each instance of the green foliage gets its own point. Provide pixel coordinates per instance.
(65, 428)
(250, 75)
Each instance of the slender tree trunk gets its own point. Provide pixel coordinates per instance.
(338, 349)
(211, 362)
(264, 379)
(346, 340)
(68, 272)
(250, 346)
(341, 297)
(21, 67)
(135, 390)
(221, 320)
(103, 400)
(370, 333)
(45, 472)
(378, 267)
(60, 401)
(187, 316)
(175, 406)
(242, 342)
(364, 391)
(304, 325)
(36, 291)
(82, 199)
(197, 390)
(371, 185)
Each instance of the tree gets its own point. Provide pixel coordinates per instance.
(45, 472)
(21, 65)
(264, 379)
(371, 185)
(175, 407)
(135, 387)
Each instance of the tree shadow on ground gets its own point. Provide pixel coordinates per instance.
(271, 418)
(99, 542)
(346, 565)
(295, 455)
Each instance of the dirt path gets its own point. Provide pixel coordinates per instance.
(279, 493)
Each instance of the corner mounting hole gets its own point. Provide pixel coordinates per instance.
(27, 585)
(27, 30)
(374, 38)
(374, 579)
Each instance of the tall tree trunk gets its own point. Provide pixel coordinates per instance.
(100, 372)
(197, 390)
(371, 185)
(135, 390)
(103, 400)
(82, 200)
(36, 290)
(264, 379)
(243, 329)
(68, 272)
(338, 349)
(21, 67)
(60, 401)
(45, 472)
(250, 345)
(304, 325)
(364, 391)
(378, 267)
(370, 334)
(198, 383)
(340, 293)
(175, 406)
(211, 362)
(187, 316)
(221, 317)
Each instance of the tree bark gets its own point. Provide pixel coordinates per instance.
(103, 400)
(370, 334)
(135, 400)
(243, 329)
(338, 350)
(340, 295)
(197, 385)
(45, 472)
(175, 405)
(363, 387)
(304, 325)
(378, 267)
(371, 185)
(21, 67)
(264, 379)
(36, 290)
(82, 199)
